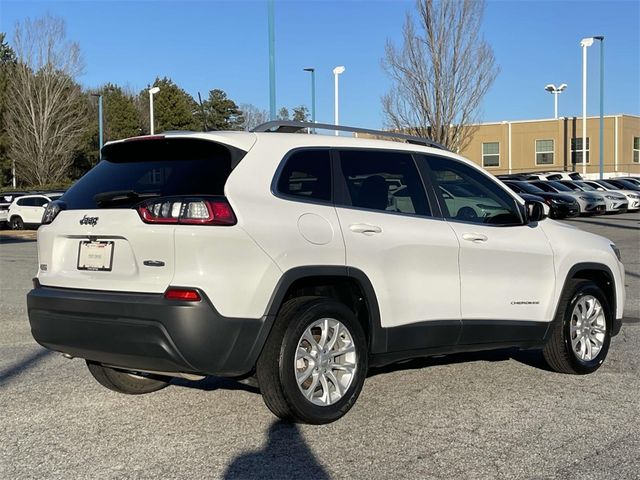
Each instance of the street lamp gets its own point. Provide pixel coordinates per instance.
(337, 71)
(100, 129)
(313, 93)
(152, 92)
(584, 43)
(601, 38)
(551, 88)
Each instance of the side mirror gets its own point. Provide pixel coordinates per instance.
(44, 205)
(535, 211)
(600, 189)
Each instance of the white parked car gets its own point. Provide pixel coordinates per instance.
(615, 202)
(633, 197)
(27, 211)
(305, 259)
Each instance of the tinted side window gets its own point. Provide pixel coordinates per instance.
(307, 174)
(39, 202)
(27, 202)
(387, 181)
(470, 196)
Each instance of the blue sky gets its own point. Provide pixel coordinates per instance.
(203, 45)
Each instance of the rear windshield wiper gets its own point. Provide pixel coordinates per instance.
(117, 196)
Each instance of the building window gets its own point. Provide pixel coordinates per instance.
(544, 152)
(636, 149)
(576, 150)
(491, 154)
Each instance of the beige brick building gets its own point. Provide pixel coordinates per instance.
(535, 145)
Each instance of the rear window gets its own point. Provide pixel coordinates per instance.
(135, 170)
(307, 175)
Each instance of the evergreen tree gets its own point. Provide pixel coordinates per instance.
(221, 112)
(283, 114)
(120, 113)
(173, 108)
(301, 114)
(7, 61)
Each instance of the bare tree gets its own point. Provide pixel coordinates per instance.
(253, 116)
(46, 116)
(441, 72)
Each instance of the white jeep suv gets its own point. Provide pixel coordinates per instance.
(305, 259)
(27, 210)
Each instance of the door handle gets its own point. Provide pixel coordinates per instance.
(365, 228)
(474, 237)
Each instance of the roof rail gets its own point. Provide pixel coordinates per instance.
(290, 126)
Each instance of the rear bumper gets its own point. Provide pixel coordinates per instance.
(145, 331)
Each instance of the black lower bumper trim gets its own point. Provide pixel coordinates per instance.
(145, 331)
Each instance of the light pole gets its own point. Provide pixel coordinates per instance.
(152, 92)
(272, 62)
(551, 88)
(100, 128)
(336, 71)
(601, 38)
(313, 93)
(584, 43)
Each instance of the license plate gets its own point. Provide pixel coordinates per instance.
(95, 256)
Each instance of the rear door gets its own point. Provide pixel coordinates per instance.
(99, 240)
(506, 266)
(409, 255)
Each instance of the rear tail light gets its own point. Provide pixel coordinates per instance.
(183, 294)
(189, 211)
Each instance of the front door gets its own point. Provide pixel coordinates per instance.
(507, 276)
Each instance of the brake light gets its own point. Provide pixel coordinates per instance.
(183, 294)
(189, 211)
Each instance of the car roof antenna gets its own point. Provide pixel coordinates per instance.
(204, 117)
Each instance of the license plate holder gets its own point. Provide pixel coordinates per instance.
(96, 256)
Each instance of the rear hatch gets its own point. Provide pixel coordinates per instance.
(99, 240)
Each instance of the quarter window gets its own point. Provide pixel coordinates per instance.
(636, 149)
(307, 175)
(576, 150)
(544, 152)
(491, 154)
(385, 181)
(470, 196)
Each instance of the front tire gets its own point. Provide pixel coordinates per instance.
(581, 331)
(314, 363)
(123, 381)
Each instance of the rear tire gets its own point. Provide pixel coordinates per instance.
(123, 381)
(17, 223)
(321, 340)
(580, 336)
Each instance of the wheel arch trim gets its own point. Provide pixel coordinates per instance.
(377, 335)
(601, 267)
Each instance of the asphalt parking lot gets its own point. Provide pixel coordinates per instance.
(483, 415)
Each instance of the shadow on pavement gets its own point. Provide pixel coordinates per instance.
(605, 224)
(6, 239)
(217, 383)
(285, 455)
(532, 358)
(8, 374)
